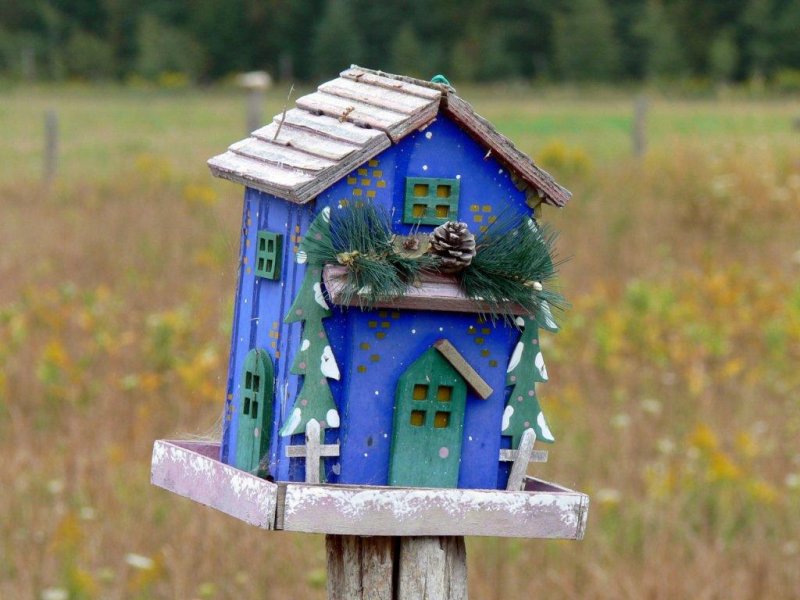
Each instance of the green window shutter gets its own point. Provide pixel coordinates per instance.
(255, 411)
(269, 254)
(431, 200)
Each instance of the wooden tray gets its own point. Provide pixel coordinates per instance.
(541, 510)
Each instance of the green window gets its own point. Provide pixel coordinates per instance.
(431, 200)
(268, 255)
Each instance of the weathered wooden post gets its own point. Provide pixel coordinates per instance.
(256, 83)
(391, 568)
(394, 281)
(396, 568)
(50, 163)
(639, 128)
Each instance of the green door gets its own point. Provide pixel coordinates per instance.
(255, 411)
(428, 424)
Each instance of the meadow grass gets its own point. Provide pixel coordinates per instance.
(105, 129)
(674, 383)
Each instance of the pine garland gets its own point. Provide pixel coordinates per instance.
(361, 239)
(512, 266)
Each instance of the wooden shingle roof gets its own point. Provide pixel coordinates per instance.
(352, 119)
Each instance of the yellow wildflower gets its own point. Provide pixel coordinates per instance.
(704, 438)
(722, 468)
(746, 445)
(762, 492)
(200, 194)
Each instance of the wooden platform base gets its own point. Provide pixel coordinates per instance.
(540, 510)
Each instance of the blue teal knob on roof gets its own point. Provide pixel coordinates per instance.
(440, 79)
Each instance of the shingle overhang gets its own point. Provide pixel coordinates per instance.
(352, 119)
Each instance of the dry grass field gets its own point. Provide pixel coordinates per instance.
(675, 381)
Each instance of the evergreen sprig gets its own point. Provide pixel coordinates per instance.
(361, 239)
(513, 255)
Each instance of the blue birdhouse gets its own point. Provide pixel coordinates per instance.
(394, 279)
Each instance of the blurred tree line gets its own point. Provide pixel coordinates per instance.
(480, 40)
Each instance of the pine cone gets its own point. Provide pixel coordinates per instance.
(455, 244)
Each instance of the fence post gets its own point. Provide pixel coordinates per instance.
(256, 83)
(639, 131)
(50, 145)
(255, 99)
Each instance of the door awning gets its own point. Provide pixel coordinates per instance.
(460, 364)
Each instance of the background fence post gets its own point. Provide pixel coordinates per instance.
(50, 145)
(256, 83)
(639, 131)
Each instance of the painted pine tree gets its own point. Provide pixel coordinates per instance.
(314, 360)
(526, 368)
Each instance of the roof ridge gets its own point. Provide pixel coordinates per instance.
(391, 108)
(404, 78)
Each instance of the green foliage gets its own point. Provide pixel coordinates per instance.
(759, 28)
(513, 257)
(723, 57)
(87, 56)
(18, 52)
(470, 40)
(163, 49)
(464, 58)
(407, 55)
(497, 58)
(788, 80)
(785, 38)
(664, 55)
(486, 55)
(338, 39)
(585, 45)
(221, 27)
(513, 254)
(361, 239)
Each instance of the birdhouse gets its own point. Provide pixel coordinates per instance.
(395, 278)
